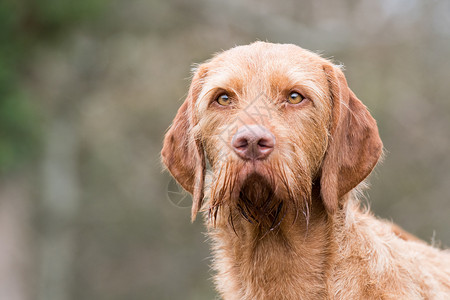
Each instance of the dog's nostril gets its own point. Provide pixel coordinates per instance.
(241, 143)
(266, 143)
(253, 142)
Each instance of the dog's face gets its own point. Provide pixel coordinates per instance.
(264, 113)
(272, 120)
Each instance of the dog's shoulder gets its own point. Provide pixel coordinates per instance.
(382, 261)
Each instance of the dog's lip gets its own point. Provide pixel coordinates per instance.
(251, 169)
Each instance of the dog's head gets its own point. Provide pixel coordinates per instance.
(272, 120)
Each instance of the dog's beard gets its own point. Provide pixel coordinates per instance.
(257, 202)
(263, 194)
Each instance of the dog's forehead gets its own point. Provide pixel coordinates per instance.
(259, 56)
(265, 62)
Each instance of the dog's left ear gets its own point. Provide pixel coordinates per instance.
(182, 152)
(355, 145)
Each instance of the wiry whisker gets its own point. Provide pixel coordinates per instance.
(230, 221)
(216, 199)
(306, 214)
(273, 226)
(284, 181)
(262, 199)
(243, 213)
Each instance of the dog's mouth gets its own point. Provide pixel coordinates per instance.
(257, 202)
(256, 199)
(258, 192)
(254, 179)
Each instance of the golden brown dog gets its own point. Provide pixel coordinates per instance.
(287, 143)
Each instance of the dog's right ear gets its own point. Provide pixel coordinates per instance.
(182, 152)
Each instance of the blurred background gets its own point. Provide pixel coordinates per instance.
(88, 88)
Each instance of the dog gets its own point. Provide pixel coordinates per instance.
(274, 146)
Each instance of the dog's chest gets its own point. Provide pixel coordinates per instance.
(269, 268)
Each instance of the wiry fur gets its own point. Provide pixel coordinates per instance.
(290, 226)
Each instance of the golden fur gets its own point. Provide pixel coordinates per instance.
(289, 226)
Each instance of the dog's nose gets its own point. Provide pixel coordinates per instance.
(253, 142)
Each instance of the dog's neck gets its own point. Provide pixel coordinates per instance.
(259, 263)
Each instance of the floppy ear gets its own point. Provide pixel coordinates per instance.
(182, 152)
(355, 145)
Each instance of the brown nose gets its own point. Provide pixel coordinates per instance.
(253, 142)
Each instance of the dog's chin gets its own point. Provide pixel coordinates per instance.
(255, 196)
(254, 182)
(259, 192)
(255, 189)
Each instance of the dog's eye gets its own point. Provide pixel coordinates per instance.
(223, 100)
(295, 98)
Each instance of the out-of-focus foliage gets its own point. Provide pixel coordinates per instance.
(24, 25)
(92, 85)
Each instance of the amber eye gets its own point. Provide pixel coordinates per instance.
(223, 100)
(295, 98)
